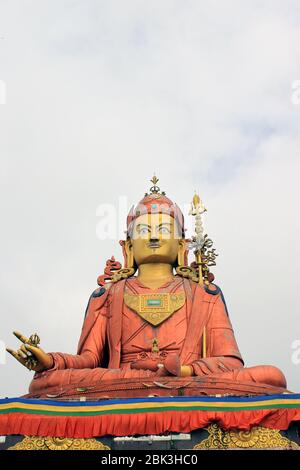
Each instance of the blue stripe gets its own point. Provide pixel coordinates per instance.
(113, 401)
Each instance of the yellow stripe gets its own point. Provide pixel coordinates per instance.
(135, 406)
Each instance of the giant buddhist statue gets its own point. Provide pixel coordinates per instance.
(157, 325)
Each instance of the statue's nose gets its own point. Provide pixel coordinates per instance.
(154, 239)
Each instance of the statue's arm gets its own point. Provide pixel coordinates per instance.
(222, 350)
(92, 345)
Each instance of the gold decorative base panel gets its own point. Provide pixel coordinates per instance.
(256, 438)
(58, 443)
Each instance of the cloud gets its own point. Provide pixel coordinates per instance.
(100, 95)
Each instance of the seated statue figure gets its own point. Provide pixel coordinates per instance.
(149, 325)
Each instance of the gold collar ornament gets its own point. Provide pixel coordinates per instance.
(155, 308)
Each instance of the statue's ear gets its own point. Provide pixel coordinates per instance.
(181, 252)
(128, 251)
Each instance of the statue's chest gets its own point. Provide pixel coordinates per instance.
(138, 334)
(155, 308)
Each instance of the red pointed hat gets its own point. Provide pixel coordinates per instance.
(156, 203)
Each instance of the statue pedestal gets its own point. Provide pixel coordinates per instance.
(152, 423)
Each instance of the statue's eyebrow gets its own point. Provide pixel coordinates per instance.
(164, 223)
(149, 226)
(142, 225)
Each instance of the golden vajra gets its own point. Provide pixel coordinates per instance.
(34, 340)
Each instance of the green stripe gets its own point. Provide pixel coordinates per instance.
(145, 410)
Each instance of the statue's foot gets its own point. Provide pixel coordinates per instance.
(269, 375)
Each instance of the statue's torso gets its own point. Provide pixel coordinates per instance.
(138, 334)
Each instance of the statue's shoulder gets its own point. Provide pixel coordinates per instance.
(95, 295)
(101, 290)
(212, 289)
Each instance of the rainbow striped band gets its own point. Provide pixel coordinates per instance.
(144, 405)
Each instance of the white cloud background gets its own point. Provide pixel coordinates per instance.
(102, 93)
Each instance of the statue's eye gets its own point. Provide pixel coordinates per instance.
(164, 230)
(143, 231)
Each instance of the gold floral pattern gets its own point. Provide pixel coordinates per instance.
(256, 438)
(58, 443)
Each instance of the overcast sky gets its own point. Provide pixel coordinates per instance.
(99, 94)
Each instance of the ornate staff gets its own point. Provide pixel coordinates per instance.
(201, 244)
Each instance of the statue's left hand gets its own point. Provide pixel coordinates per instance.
(31, 356)
(145, 364)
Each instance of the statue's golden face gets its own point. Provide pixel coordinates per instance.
(155, 239)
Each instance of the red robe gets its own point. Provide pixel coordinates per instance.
(113, 336)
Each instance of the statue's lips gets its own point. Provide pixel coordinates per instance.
(154, 245)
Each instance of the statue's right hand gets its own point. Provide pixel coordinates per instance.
(41, 360)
